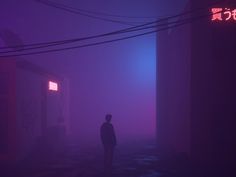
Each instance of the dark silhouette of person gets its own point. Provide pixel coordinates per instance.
(108, 138)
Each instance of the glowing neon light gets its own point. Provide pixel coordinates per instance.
(234, 14)
(216, 15)
(53, 86)
(223, 14)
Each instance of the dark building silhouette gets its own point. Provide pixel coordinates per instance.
(196, 83)
(31, 113)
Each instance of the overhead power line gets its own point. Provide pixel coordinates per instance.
(100, 15)
(65, 8)
(131, 29)
(161, 21)
(186, 21)
(92, 44)
(20, 49)
(106, 14)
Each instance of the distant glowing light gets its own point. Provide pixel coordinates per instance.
(223, 14)
(53, 86)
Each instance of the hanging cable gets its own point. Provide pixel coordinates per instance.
(61, 7)
(105, 14)
(106, 41)
(83, 39)
(187, 21)
(96, 15)
(163, 20)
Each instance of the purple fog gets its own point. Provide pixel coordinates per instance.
(117, 88)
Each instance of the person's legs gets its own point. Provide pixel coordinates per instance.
(108, 157)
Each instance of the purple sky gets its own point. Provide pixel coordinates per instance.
(117, 78)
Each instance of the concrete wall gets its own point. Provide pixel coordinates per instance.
(29, 109)
(213, 72)
(41, 114)
(7, 111)
(173, 83)
(196, 95)
(33, 119)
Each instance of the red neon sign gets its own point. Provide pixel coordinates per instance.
(53, 86)
(223, 14)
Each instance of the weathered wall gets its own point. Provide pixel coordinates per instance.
(196, 95)
(173, 93)
(213, 72)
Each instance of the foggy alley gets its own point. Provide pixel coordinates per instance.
(118, 88)
(136, 159)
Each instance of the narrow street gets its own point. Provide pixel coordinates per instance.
(136, 160)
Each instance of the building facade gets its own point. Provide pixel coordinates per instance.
(34, 109)
(196, 83)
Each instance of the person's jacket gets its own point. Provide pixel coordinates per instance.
(107, 134)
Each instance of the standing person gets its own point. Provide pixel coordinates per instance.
(108, 138)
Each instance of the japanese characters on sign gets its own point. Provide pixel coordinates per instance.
(223, 14)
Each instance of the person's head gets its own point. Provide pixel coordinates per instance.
(108, 117)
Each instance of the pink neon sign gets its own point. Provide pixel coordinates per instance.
(53, 86)
(223, 14)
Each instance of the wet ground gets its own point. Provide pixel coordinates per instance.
(136, 160)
